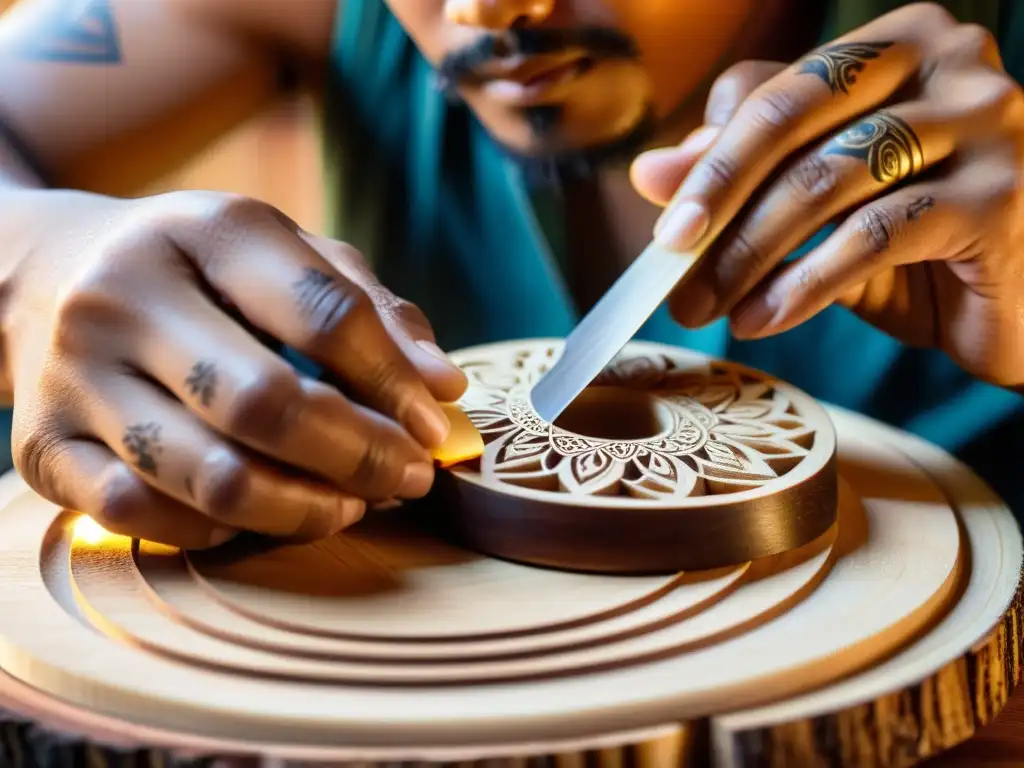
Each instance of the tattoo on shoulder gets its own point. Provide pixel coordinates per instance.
(838, 65)
(143, 442)
(202, 382)
(919, 206)
(74, 32)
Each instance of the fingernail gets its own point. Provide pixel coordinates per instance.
(352, 511)
(681, 226)
(428, 423)
(220, 536)
(701, 139)
(416, 482)
(694, 144)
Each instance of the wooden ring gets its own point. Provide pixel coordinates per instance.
(669, 461)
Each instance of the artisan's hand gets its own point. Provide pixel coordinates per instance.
(144, 399)
(908, 135)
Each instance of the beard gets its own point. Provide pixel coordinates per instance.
(563, 163)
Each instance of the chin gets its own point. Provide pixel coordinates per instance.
(559, 141)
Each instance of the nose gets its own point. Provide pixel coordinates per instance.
(497, 14)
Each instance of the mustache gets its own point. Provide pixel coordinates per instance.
(596, 42)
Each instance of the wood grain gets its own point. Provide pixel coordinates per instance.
(38, 732)
(997, 745)
(907, 726)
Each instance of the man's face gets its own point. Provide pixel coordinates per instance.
(554, 77)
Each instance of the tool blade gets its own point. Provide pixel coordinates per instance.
(609, 326)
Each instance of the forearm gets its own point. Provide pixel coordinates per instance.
(21, 182)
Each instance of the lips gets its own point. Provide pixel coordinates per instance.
(534, 69)
(537, 79)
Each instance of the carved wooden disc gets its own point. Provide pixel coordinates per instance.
(668, 461)
(885, 639)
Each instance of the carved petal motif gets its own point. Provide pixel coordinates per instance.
(728, 430)
(591, 473)
(659, 476)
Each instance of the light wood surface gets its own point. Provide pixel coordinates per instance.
(890, 638)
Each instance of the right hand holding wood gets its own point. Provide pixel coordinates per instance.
(144, 399)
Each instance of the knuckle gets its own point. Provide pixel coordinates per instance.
(771, 110)
(121, 497)
(222, 485)
(264, 408)
(348, 254)
(932, 15)
(739, 257)
(1007, 98)
(34, 451)
(374, 469)
(717, 170)
(877, 227)
(387, 377)
(733, 86)
(233, 212)
(812, 179)
(406, 315)
(80, 312)
(971, 40)
(104, 292)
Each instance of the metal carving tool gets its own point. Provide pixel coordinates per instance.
(610, 325)
(630, 302)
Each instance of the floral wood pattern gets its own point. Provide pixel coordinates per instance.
(721, 429)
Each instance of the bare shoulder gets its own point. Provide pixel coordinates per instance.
(300, 27)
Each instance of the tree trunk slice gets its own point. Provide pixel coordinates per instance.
(941, 688)
(669, 461)
(905, 611)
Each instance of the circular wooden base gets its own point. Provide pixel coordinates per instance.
(887, 639)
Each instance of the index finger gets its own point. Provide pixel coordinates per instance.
(281, 285)
(819, 93)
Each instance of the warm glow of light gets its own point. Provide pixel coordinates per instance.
(464, 442)
(88, 531)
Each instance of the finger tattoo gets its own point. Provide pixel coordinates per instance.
(919, 206)
(202, 381)
(879, 229)
(838, 65)
(885, 142)
(320, 299)
(143, 442)
(880, 226)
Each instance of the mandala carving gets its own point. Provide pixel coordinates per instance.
(714, 428)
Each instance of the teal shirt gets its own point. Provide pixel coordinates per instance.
(449, 223)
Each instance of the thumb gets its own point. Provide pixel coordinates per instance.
(405, 321)
(657, 174)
